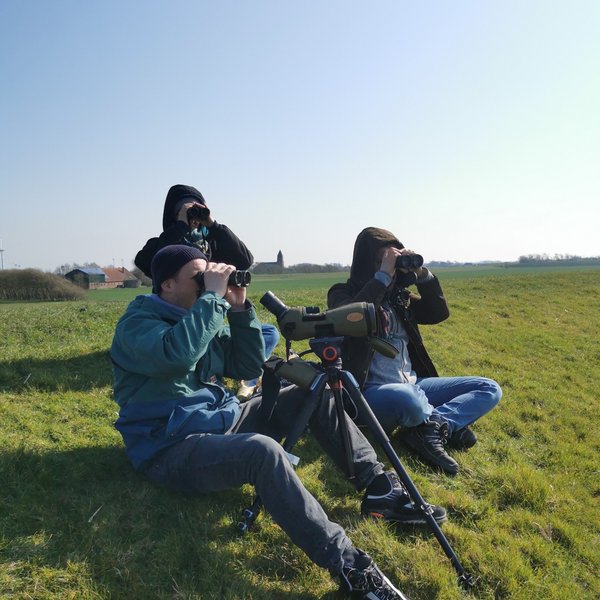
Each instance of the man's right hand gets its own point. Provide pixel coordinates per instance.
(216, 277)
(388, 260)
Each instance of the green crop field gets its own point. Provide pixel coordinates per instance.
(77, 522)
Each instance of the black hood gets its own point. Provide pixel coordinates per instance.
(176, 193)
(367, 243)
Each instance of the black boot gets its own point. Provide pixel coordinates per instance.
(428, 441)
(363, 579)
(462, 439)
(394, 504)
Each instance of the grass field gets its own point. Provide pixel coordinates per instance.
(77, 522)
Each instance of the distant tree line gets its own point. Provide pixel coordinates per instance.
(68, 267)
(137, 272)
(563, 259)
(268, 268)
(312, 268)
(446, 263)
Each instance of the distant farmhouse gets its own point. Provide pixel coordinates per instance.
(269, 268)
(91, 278)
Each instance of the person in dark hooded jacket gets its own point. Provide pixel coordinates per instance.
(406, 391)
(213, 239)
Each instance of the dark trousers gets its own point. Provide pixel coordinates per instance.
(206, 463)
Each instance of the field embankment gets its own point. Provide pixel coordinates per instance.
(31, 284)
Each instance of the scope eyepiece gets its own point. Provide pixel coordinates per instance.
(274, 305)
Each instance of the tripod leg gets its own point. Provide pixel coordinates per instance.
(336, 388)
(375, 427)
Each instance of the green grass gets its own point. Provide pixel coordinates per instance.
(77, 522)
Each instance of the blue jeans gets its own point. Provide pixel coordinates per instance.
(459, 400)
(271, 337)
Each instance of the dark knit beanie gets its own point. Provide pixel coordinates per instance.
(169, 260)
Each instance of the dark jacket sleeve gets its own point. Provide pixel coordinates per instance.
(430, 307)
(228, 248)
(345, 293)
(172, 235)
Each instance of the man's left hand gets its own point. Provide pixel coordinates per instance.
(236, 296)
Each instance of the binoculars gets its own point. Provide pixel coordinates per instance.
(198, 213)
(236, 279)
(409, 261)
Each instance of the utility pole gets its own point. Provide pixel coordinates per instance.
(2, 255)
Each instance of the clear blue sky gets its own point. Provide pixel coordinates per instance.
(470, 129)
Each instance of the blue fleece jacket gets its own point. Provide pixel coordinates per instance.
(168, 364)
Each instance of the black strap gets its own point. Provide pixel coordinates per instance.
(271, 384)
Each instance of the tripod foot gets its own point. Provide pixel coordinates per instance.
(466, 581)
(247, 519)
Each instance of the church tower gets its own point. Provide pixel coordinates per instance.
(280, 259)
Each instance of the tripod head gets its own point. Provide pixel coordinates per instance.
(304, 373)
(328, 349)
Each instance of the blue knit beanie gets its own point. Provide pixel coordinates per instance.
(169, 260)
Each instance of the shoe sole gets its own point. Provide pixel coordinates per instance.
(451, 470)
(414, 521)
(455, 446)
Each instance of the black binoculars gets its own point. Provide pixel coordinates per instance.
(409, 261)
(236, 279)
(198, 213)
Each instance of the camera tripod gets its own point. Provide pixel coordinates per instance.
(331, 374)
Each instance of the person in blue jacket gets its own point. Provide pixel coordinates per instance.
(186, 431)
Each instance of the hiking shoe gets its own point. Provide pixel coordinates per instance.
(396, 506)
(363, 579)
(428, 441)
(462, 439)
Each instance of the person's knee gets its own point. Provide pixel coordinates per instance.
(413, 411)
(491, 390)
(264, 450)
(399, 406)
(271, 337)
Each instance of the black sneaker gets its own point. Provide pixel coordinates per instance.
(396, 506)
(462, 439)
(363, 579)
(428, 440)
